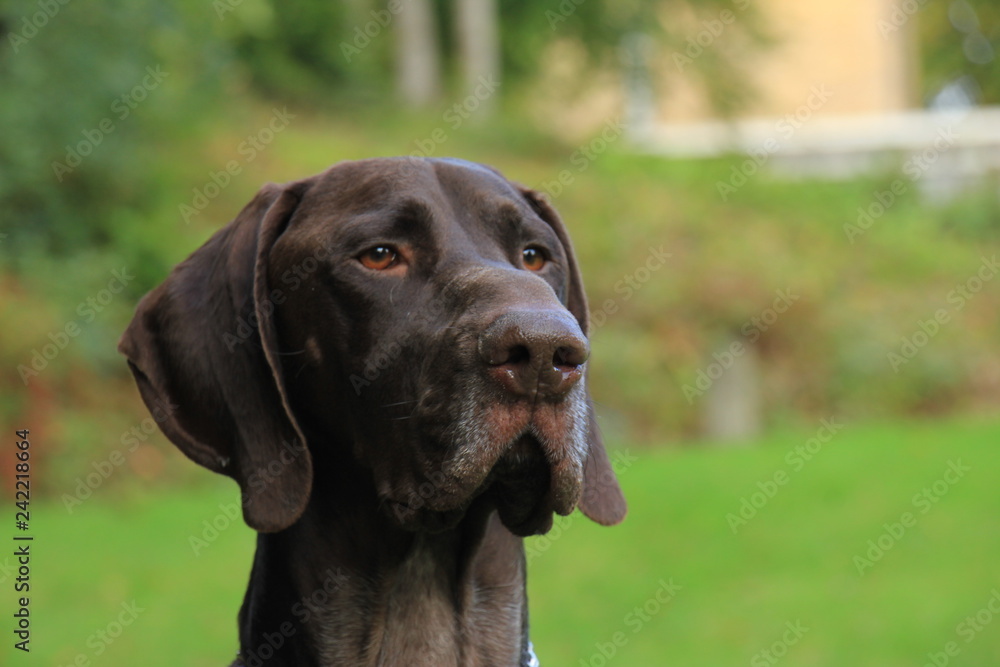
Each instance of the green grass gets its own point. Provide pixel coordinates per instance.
(792, 562)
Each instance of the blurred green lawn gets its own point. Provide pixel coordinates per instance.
(791, 563)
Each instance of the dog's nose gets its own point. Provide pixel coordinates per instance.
(533, 353)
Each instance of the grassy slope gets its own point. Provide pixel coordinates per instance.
(792, 562)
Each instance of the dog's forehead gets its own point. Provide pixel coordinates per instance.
(460, 165)
(383, 182)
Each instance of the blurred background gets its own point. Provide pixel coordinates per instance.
(787, 216)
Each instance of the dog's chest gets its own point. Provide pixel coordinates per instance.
(417, 618)
(417, 621)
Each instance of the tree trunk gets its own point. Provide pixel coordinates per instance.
(418, 67)
(732, 406)
(478, 41)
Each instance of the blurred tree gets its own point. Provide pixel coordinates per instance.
(478, 36)
(605, 28)
(313, 52)
(85, 88)
(418, 70)
(341, 50)
(85, 107)
(960, 46)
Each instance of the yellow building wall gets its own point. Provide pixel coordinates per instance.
(861, 51)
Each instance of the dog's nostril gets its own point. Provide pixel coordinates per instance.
(518, 354)
(534, 354)
(568, 357)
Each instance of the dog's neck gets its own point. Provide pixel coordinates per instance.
(346, 586)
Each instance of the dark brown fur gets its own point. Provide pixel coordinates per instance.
(394, 433)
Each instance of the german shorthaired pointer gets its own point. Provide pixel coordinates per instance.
(389, 359)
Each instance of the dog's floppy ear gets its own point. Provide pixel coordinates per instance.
(203, 343)
(602, 499)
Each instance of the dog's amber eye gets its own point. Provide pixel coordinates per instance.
(379, 258)
(533, 258)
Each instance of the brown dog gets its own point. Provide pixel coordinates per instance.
(389, 359)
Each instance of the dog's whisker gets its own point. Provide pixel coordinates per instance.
(389, 405)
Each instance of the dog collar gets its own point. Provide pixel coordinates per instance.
(532, 658)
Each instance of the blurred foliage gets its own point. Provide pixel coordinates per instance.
(88, 90)
(316, 52)
(226, 62)
(304, 48)
(960, 44)
(857, 301)
(91, 124)
(69, 73)
(826, 356)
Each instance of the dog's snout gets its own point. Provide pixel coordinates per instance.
(534, 353)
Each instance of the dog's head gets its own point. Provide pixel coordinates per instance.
(424, 319)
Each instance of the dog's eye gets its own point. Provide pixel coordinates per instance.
(534, 258)
(379, 258)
